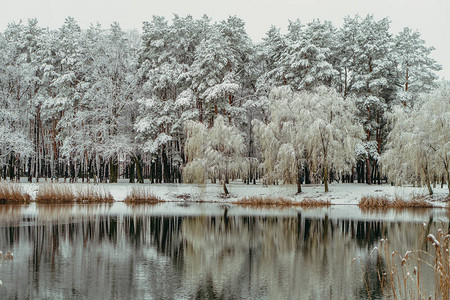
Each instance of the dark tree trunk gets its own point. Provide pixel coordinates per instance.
(368, 172)
(29, 175)
(225, 190)
(137, 162)
(17, 168)
(152, 172)
(360, 171)
(130, 171)
(165, 165)
(307, 175)
(113, 169)
(11, 166)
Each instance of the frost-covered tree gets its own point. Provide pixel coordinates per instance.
(366, 67)
(306, 60)
(418, 147)
(95, 102)
(217, 152)
(218, 69)
(97, 96)
(301, 58)
(269, 54)
(282, 138)
(415, 69)
(331, 132)
(18, 84)
(317, 127)
(435, 111)
(167, 99)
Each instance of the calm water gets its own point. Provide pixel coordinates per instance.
(203, 251)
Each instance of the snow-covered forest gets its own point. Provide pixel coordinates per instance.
(198, 99)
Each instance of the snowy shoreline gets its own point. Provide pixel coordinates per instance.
(340, 193)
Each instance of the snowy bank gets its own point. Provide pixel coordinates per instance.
(339, 194)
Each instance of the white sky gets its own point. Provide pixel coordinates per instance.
(430, 17)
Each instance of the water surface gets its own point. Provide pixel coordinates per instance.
(200, 251)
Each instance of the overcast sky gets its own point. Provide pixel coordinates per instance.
(430, 17)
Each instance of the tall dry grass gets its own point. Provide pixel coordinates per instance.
(257, 201)
(397, 202)
(401, 276)
(92, 194)
(13, 193)
(141, 194)
(55, 193)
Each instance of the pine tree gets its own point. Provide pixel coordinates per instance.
(415, 70)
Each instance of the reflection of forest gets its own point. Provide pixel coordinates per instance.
(106, 256)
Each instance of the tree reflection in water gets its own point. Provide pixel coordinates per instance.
(91, 252)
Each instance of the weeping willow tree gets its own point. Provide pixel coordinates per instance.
(217, 152)
(317, 128)
(282, 138)
(331, 131)
(418, 148)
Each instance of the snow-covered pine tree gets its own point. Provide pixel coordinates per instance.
(415, 69)
(213, 78)
(367, 62)
(18, 83)
(166, 97)
(302, 58)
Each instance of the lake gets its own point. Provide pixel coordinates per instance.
(202, 251)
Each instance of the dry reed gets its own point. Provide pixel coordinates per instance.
(8, 256)
(13, 193)
(281, 202)
(55, 193)
(140, 195)
(90, 194)
(401, 276)
(385, 202)
(313, 202)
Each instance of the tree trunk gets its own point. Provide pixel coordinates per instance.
(137, 162)
(152, 171)
(30, 179)
(430, 190)
(368, 172)
(448, 181)
(225, 190)
(427, 179)
(299, 181)
(165, 165)
(325, 178)
(17, 167)
(11, 166)
(131, 172)
(113, 169)
(307, 176)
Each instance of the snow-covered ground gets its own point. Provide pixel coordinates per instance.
(340, 193)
